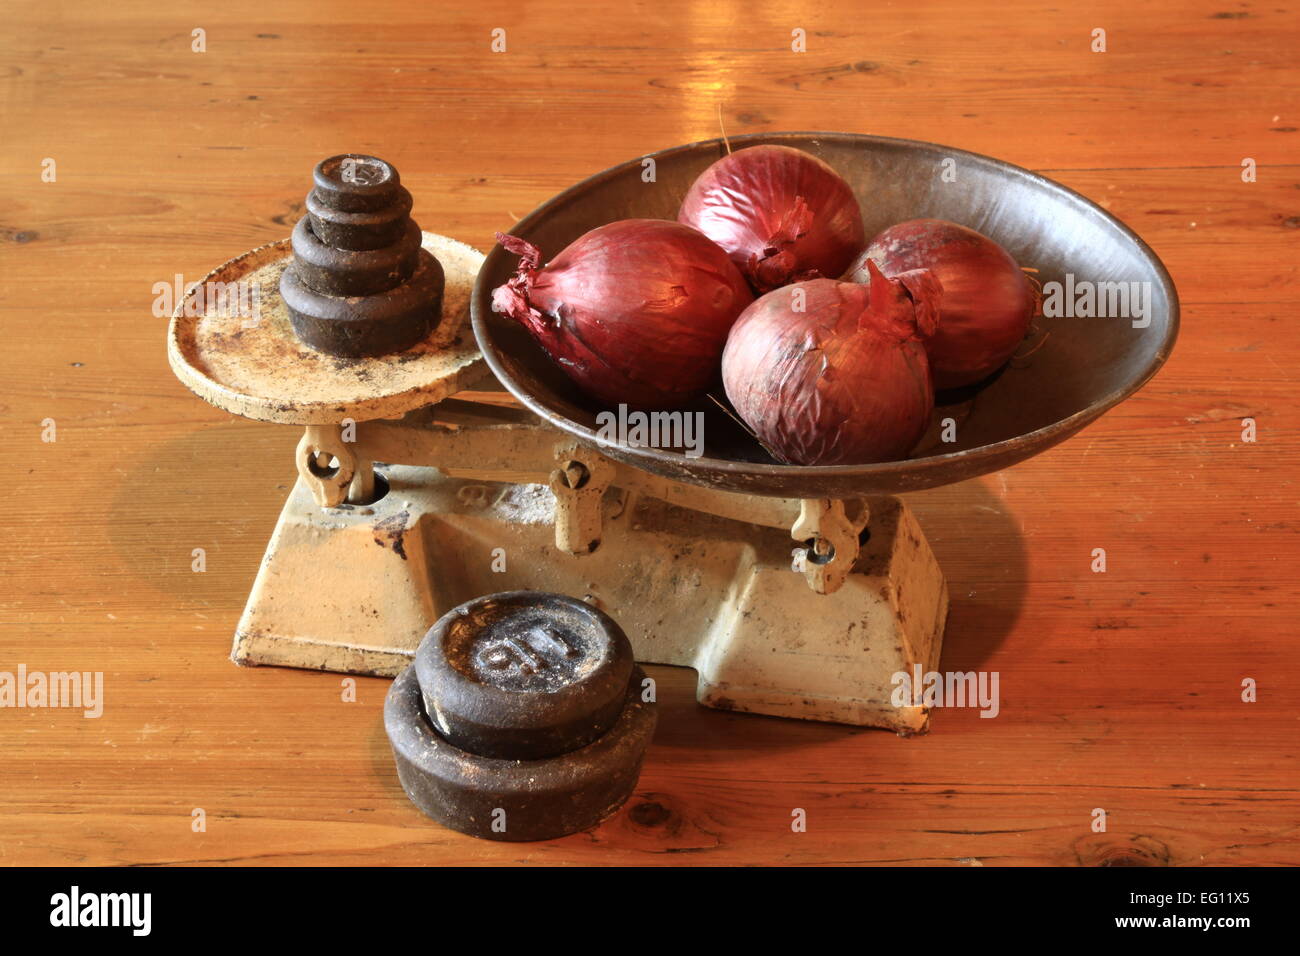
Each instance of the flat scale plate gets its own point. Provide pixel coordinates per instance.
(249, 361)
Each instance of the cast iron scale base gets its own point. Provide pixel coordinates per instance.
(792, 607)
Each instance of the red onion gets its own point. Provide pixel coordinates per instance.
(636, 311)
(987, 301)
(781, 214)
(843, 382)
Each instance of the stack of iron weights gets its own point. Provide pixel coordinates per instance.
(523, 717)
(360, 284)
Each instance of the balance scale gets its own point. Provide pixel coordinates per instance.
(410, 501)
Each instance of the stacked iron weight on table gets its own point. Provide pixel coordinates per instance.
(524, 717)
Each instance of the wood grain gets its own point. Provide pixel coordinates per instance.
(1120, 690)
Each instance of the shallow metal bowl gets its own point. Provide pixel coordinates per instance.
(1069, 371)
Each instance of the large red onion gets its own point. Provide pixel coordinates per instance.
(988, 301)
(636, 311)
(843, 382)
(781, 214)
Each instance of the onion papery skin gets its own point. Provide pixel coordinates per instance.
(988, 302)
(782, 215)
(636, 312)
(846, 381)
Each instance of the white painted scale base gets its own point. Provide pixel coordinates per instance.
(353, 589)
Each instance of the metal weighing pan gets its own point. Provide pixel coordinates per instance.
(1068, 373)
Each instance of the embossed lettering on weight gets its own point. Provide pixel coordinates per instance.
(540, 649)
(362, 171)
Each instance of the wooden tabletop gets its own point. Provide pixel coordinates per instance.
(1121, 691)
